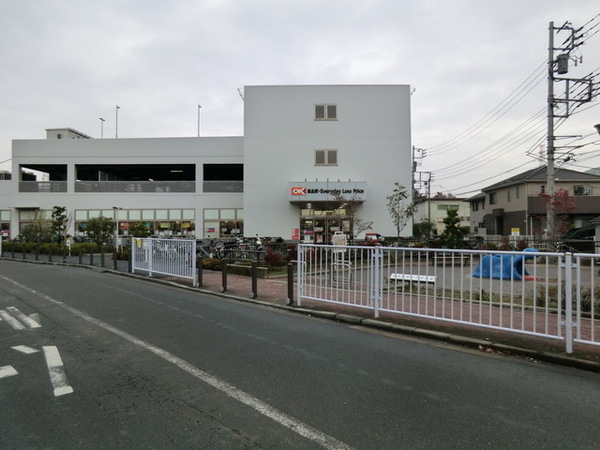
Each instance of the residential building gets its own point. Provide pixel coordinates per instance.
(516, 206)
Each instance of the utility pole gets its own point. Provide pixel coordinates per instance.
(550, 137)
(560, 66)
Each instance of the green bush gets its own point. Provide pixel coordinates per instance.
(549, 295)
(212, 264)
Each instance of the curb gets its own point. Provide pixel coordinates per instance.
(479, 344)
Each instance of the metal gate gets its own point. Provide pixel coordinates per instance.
(172, 257)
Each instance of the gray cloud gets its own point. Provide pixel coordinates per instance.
(67, 63)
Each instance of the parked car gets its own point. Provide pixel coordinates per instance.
(579, 240)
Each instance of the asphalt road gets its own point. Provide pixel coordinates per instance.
(96, 360)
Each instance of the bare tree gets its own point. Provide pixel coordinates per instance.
(400, 207)
(357, 223)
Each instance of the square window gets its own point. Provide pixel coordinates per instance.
(325, 112)
(326, 158)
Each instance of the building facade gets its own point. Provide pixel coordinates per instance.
(516, 205)
(306, 154)
(435, 210)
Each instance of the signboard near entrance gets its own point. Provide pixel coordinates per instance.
(314, 191)
(339, 238)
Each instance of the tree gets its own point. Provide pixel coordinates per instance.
(139, 229)
(454, 234)
(59, 224)
(357, 224)
(100, 229)
(400, 208)
(39, 230)
(423, 229)
(563, 203)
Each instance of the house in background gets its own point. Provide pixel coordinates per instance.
(436, 209)
(515, 206)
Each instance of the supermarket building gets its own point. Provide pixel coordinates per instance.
(305, 149)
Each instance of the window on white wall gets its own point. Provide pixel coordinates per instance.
(325, 112)
(582, 190)
(325, 157)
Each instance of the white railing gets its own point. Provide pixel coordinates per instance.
(172, 257)
(554, 295)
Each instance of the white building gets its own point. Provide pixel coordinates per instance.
(435, 210)
(305, 150)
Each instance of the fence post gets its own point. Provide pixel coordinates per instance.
(81, 256)
(50, 253)
(290, 283)
(254, 279)
(130, 257)
(37, 252)
(13, 250)
(376, 273)
(569, 303)
(224, 276)
(199, 269)
(101, 255)
(115, 267)
(64, 255)
(23, 248)
(91, 256)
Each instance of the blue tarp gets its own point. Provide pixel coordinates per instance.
(503, 267)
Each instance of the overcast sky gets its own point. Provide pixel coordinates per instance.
(477, 69)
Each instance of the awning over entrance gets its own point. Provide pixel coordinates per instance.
(323, 191)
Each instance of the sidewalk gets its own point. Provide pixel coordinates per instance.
(273, 292)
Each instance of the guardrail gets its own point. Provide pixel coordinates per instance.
(552, 295)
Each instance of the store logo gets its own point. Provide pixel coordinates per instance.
(298, 191)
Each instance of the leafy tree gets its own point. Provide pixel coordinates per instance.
(563, 203)
(400, 208)
(423, 229)
(39, 230)
(139, 229)
(100, 229)
(59, 224)
(454, 234)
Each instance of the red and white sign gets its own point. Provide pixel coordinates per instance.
(298, 191)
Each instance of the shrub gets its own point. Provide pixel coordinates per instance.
(272, 258)
(212, 264)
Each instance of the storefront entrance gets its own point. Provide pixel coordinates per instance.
(318, 224)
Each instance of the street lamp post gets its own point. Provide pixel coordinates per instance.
(117, 121)
(116, 219)
(199, 108)
(101, 128)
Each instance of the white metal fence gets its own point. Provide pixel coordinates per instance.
(554, 295)
(173, 257)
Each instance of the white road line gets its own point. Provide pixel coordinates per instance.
(8, 371)
(26, 320)
(263, 408)
(11, 320)
(25, 349)
(58, 377)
